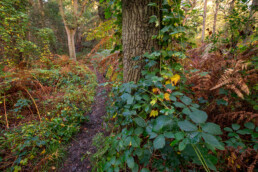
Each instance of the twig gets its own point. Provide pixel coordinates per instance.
(34, 103)
(5, 114)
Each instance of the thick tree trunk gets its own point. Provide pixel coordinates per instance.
(215, 17)
(71, 42)
(204, 19)
(137, 35)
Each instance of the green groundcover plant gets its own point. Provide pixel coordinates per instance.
(158, 127)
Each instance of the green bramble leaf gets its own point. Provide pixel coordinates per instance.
(212, 128)
(187, 126)
(159, 142)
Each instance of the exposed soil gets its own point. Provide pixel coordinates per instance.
(81, 148)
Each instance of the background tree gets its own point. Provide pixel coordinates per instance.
(71, 12)
(204, 19)
(215, 17)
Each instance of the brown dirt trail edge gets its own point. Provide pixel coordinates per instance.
(81, 148)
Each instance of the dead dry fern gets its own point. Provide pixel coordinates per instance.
(239, 117)
(233, 80)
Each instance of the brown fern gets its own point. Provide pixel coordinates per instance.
(233, 80)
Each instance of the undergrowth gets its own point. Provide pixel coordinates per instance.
(43, 108)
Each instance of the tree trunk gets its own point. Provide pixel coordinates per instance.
(204, 19)
(249, 29)
(40, 8)
(137, 35)
(71, 42)
(215, 17)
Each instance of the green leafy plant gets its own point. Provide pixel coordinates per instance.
(155, 119)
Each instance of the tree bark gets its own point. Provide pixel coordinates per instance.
(137, 35)
(71, 42)
(204, 19)
(215, 17)
(249, 29)
(42, 13)
(69, 31)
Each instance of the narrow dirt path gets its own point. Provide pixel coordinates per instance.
(80, 149)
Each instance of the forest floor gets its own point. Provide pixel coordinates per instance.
(81, 148)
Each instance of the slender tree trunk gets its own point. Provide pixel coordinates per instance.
(137, 35)
(204, 19)
(71, 42)
(249, 30)
(42, 13)
(215, 17)
(69, 31)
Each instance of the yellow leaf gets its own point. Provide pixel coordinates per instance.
(168, 82)
(153, 102)
(43, 152)
(154, 113)
(115, 115)
(174, 79)
(155, 90)
(166, 96)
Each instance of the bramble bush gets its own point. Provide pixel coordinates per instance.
(158, 127)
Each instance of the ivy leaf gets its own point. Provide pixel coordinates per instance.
(187, 126)
(130, 100)
(153, 19)
(130, 162)
(212, 140)
(152, 4)
(212, 128)
(140, 122)
(198, 116)
(165, 29)
(159, 142)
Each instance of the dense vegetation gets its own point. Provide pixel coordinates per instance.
(181, 74)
